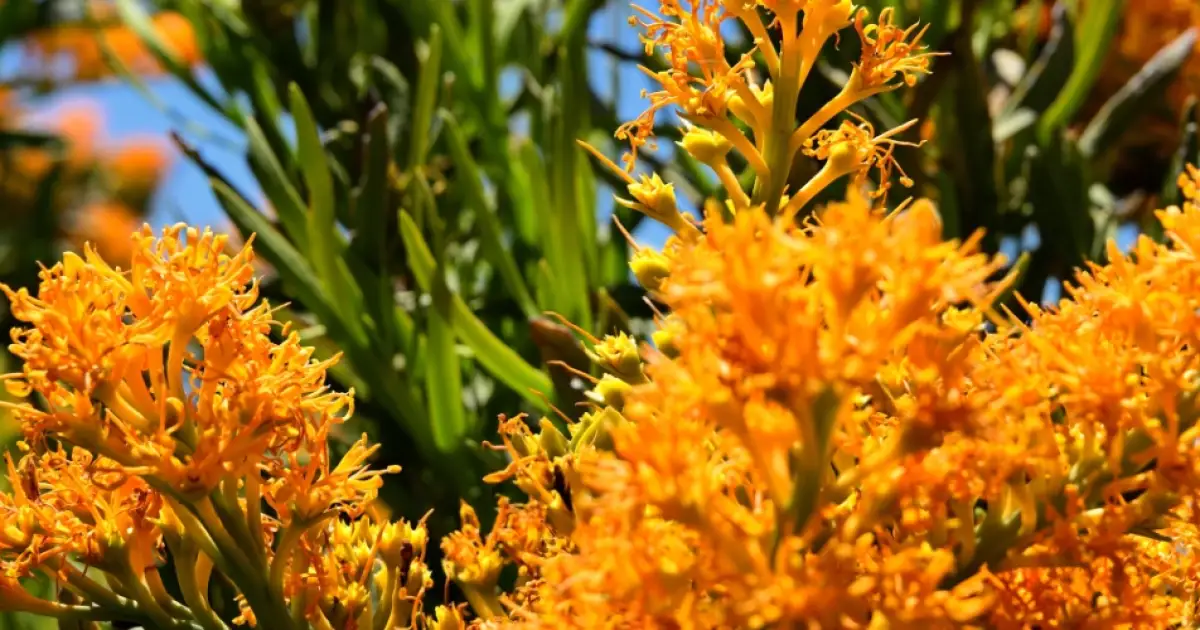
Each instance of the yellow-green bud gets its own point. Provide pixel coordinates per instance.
(706, 146)
(650, 268)
(618, 355)
(744, 111)
(553, 442)
(611, 392)
(664, 338)
(656, 199)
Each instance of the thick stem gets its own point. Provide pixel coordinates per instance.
(732, 186)
(485, 604)
(193, 582)
(777, 153)
(826, 176)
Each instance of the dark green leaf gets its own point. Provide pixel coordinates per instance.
(1096, 32)
(495, 355)
(497, 252)
(1140, 93)
(1046, 76)
(443, 378)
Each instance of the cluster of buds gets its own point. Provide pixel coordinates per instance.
(100, 45)
(836, 426)
(200, 440)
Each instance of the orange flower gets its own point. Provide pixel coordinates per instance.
(109, 228)
(138, 161)
(83, 48)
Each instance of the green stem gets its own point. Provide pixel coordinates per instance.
(485, 604)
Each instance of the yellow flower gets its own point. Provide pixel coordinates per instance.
(185, 417)
(888, 51)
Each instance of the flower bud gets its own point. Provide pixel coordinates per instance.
(650, 268)
(656, 199)
(618, 355)
(706, 146)
(744, 111)
(664, 338)
(552, 441)
(611, 392)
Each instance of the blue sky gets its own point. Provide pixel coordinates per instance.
(185, 194)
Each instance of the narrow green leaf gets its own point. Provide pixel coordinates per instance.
(1013, 123)
(315, 166)
(371, 199)
(443, 379)
(285, 199)
(936, 15)
(1141, 92)
(579, 13)
(134, 15)
(21, 138)
(397, 95)
(1096, 32)
(324, 239)
(979, 191)
(1058, 192)
(564, 248)
(557, 343)
(1047, 75)
(485, 214)
(520, 184)
(287, 261)
(427, 87)
(1185, 153)
(500, 360)
(372, 207)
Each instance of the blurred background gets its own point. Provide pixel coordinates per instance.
(410, 169)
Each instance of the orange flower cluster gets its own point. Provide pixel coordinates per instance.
(103, 192)
(1149, 25)
(195, 434)
(835, 427)
(833, 440)
(79, 53)
(726, 109)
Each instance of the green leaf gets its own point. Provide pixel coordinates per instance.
(524, 197)
(138, 20)
(978, 189)
(485, 214)
(287, 261)
(1013, 123)
(1058, 192)
(21, 138)
(285, 199)
(565, 248)
(316, 169)
(443, 379)
(1186, 153)
(427, 88)
(1140, 93)
(324, 239)
(397, 95)
(371, 199)
(500, 360)
(372, 207)
(1096, 32)
(557, 343)
(1047, 75)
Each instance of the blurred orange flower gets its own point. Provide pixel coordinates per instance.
(83, 48)
(110, 227)
(137, 165)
